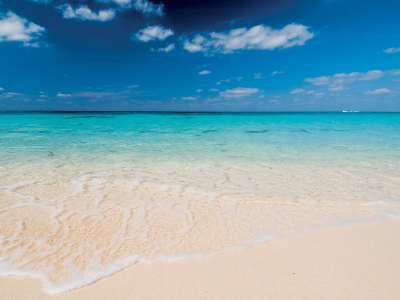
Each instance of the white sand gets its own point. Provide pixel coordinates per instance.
(361, 262)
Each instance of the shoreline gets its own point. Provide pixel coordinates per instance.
(359, 262)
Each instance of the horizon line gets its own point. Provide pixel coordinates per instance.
(180, 111)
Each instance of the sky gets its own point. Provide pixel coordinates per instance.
(200, 55)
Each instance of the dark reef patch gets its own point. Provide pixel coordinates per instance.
(208, 131)
(88, 117)
(80, 117)
(257, 131)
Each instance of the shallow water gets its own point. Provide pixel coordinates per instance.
(83, 195)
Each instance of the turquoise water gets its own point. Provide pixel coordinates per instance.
(84, 195)
(135, 137)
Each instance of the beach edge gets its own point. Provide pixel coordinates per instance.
(359, 262)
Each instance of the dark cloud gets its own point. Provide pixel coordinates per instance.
(202, 15)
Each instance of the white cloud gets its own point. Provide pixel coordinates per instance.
(10, 94)
(1, 89)
(153, 33)
(336, 81)
(262, 96)
(213, 90)
(239, 92)
(143, 6)
(319, 95)
(63, 95)
(41, 1)
(229, 80)
(147, 7)
(276, 72)
(258, 76)
(106, 94)
(166, 49)
(334, 88)
(223, 80)
(379, 91)
(296, 91)
(199, 90)
(356, 76)
(394, 72)
(16, 29)
(392, 50)
(258, 37)
(204, 72)
(33, 45)
(323, 80)
(84, 13)
(188, 98)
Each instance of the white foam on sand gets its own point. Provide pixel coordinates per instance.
(73, 231)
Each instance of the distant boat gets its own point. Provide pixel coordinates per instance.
(347, 110)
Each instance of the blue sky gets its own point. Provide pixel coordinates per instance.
(270, 55)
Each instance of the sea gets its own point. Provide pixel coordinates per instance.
(86, 194)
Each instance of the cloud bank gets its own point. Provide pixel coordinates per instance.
(16, 29)
(379, 91)
(84, 13)
(239, 92)
(168, 48)
(150, 33)
(337, 82)
(143, 6)
(276, 72)
(259, 37)
(41, 1)
(392, 50)
(342, 78)
(296, 91)
(229, 80)
(63, 95)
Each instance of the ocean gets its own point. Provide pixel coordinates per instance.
(86, 194)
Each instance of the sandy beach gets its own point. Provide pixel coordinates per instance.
(360, 262)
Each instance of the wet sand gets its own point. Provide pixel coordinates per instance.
(361, 262)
